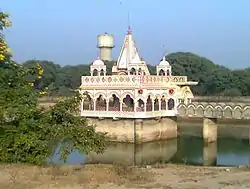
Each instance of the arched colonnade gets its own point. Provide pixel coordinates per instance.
(127, 103)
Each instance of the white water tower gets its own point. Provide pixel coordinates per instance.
(105, 42)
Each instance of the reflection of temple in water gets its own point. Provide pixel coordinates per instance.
(136, 154)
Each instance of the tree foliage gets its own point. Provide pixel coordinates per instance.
(31, 134)
(213, 79)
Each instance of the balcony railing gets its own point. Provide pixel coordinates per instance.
(121, 114)
(131, 80)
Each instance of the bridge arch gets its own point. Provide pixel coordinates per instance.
(191, 110)
(218, 111)
(237, 112)
(182, 109)
(200, 110)
(209, 111)
(246, 112)
(228, 112)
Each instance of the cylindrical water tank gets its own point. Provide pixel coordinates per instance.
(105, 40)
(105, 43)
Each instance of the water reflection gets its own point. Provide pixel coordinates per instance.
(226, 152)
(184, 150)
(140, 154)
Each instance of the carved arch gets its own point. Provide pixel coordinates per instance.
(199, 111)
(237, 112)
(100, 93)
(191, 110)
(142, 98)
(246, 112)
(182, 109)
(218, 111)
(228, 112)
(110, 94)
(209, 111)
(127, 93)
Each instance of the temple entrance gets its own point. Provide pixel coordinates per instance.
(171, 104)
(128, 104)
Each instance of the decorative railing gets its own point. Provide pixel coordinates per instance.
(134, 80)
(121, 114)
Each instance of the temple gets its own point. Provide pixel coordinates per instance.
(130, 91)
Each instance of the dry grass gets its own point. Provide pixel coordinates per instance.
(74, 177)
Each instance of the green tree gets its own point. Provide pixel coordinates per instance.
(30, 134)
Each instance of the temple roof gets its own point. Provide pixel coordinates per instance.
(129, 53)
(164, 62)
(98, 62)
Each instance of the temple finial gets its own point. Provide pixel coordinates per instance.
(129, 27)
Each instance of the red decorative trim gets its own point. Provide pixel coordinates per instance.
(171, 91)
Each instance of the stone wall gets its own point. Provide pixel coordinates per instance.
(137, 130)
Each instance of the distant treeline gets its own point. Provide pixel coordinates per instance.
(214, 80)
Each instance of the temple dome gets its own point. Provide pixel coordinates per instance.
(164, 62)
(98, 62)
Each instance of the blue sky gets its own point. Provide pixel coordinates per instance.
(65, 31)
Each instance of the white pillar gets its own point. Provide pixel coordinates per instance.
(94, 104)
(159, 101)
(107, 105)
(153, 105)
(120, 105)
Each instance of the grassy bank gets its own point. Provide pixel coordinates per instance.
(121, 177)
(16, 176)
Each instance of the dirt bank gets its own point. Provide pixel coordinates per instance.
(121, 177)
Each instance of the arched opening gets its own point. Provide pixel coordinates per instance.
(171, 104)
(149, 104)
(88, 103)
(156, 104)
(132, 71)
(140, 71)
(168, 72)
(128, 104)
(163, 103)
(114, 103)
(95, 72)
(101, 103)
(140, 106)
(102, 72)
(161, 72)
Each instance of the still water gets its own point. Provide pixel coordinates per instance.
(185, 149)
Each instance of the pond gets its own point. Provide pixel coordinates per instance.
(186, 149)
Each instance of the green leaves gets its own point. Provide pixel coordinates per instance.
(29, 134)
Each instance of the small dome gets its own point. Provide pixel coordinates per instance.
(98, 62)
(164, 62)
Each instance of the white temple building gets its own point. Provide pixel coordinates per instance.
(130, 91)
